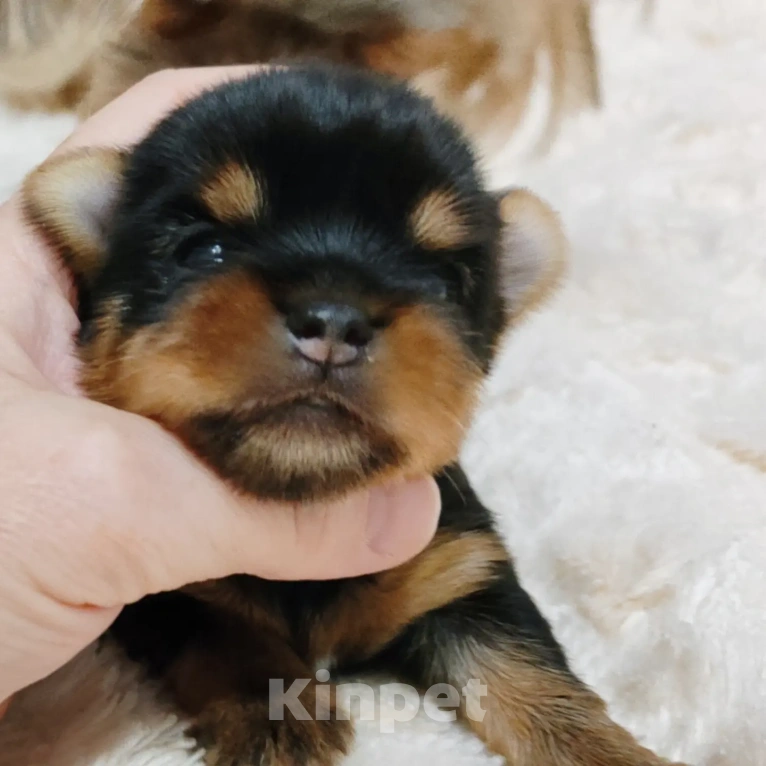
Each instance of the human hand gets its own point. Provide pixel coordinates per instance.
(98, 507)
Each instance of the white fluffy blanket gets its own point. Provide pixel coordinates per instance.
(623, 442)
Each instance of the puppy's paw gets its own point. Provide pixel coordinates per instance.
(629, 757)
(235, 734)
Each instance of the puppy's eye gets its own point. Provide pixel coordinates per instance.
(466, 280)
(441, 291)
(199, 252)
(434, 287)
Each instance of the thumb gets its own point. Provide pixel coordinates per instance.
(121, 509)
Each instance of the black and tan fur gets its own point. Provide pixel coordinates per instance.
(201, 257)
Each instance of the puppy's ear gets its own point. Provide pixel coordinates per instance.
(534, 255)
(70, 200)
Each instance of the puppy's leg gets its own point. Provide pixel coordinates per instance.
(456, 614)
(221, 670)
(241, 721)
(517, 692)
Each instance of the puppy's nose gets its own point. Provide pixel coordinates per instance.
(330, 333)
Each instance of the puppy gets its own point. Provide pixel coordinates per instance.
(481, 72)
(47, 48)
(303, 277)
(477, 59)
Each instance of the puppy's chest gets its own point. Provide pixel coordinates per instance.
(299, 603)
(295, 611)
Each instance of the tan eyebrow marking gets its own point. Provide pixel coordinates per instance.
(438, 223)
(234, 193)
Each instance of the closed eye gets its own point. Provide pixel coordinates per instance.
(466, 279)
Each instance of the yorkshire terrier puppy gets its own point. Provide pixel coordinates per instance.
(47, 48)
(303, 276)
(477, 59)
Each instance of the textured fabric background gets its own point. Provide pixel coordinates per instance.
(623, 438)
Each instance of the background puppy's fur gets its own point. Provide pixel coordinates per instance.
(47, 48)
(477, 59)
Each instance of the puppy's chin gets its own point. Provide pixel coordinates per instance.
(302, 451)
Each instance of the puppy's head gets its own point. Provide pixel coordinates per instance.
(300, 274)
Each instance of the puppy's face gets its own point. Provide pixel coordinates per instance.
(300, 274)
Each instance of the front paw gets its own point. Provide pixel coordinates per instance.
(638, 757)
(235, 734)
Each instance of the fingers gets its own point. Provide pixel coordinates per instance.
(117, 508)
(200, 529)
(128, 118)
(221, 532)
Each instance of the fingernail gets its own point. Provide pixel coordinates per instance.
(402, 517)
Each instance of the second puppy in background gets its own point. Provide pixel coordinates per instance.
(477, 59)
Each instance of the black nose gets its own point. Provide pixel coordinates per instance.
(330, 333)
